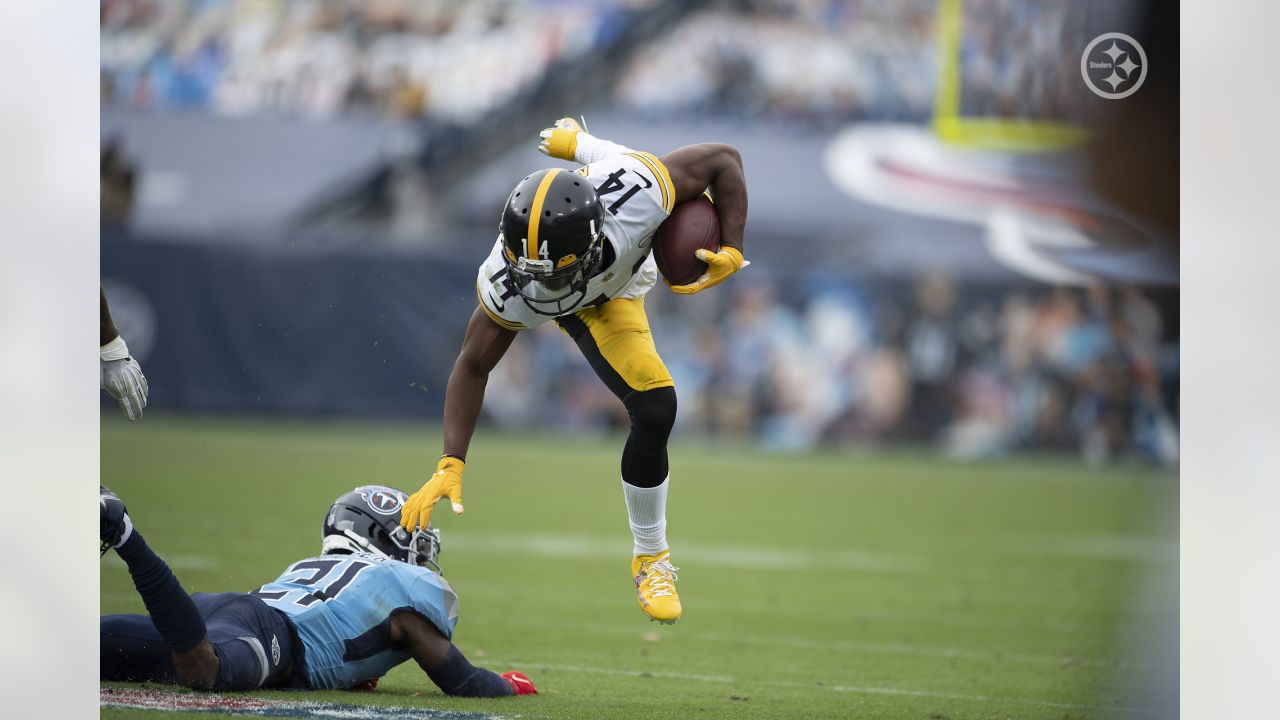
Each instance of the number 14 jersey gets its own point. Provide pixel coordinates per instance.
(341, 605)
(637, 194)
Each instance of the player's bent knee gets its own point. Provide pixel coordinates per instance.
(233, 664)
(198, 667)
(643, 371)
(653, 411)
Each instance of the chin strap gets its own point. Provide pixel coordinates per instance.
(560, 307)
(351, 543)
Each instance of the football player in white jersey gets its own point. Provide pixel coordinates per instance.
(574, 247)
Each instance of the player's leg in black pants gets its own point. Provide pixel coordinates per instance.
(251, 642)
(132, 650)
(616, 341)
(644, 457)
(228, 641)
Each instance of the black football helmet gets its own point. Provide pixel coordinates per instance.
(367, 520)
(553, 237)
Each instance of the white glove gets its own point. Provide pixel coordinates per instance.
(121, 376)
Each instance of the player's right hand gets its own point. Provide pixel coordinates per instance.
(121, 376)
(561, 140)
(520, 683)
(720, 265)
(446, 482)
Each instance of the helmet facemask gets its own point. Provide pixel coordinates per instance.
(552, 291)
(422, 548)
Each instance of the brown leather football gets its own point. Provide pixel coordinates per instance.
(692, 225)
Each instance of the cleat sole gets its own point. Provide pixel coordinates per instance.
(660, 622)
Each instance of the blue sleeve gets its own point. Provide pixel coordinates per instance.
(430, 595)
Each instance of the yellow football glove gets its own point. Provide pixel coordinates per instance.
(446, 482)
(561, 140)
(720, 265)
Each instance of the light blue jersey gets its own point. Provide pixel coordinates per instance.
(340, 606)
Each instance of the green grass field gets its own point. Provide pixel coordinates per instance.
(827, 585)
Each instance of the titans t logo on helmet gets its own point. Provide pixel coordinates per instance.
(382, 500)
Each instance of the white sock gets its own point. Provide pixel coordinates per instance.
(647, 511)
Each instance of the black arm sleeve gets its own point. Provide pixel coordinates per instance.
(457, 676)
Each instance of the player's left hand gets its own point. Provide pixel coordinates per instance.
(446, 482)
(720, 265)
(520, 682)
(121, 376)
(561, 140)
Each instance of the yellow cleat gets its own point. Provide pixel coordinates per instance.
(656, 586)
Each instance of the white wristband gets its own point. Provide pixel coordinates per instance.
(114, 350)
(592, 149)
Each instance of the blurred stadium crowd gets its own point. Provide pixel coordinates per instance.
(809, 62)
(815, 63)
(1018, 59)
(980, 370)
(451, 60)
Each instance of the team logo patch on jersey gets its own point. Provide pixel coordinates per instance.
(383, 500)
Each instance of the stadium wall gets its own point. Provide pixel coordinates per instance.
(249, 329)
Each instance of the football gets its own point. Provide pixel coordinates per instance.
(692, 225)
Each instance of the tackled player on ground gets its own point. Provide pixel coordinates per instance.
(373, 599)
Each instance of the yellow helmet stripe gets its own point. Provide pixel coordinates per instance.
(539, 196)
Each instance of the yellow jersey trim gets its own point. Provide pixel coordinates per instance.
(661, 175)
(539, 197)
(502, 323)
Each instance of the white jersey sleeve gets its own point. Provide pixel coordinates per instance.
(635, 189)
